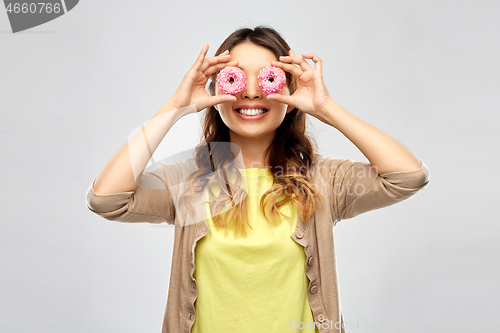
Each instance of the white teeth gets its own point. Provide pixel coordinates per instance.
(251, 112)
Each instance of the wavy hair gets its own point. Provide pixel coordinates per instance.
(290, 155)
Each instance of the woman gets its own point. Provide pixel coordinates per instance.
(268, 262)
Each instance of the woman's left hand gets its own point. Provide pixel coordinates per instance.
(311, 95)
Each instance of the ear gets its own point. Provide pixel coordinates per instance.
(289, 108)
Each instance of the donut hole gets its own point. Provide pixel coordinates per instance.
(231, 80)
(271, 79)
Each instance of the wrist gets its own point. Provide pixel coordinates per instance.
(331, 112)
(171, 104)
(325, 109)
(168, 106)
(330, 105)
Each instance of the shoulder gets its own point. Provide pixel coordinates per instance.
(178, 171)
(324, 168)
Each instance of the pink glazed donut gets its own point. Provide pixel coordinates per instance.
(271, 79)
(231, 80)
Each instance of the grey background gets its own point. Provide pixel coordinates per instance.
(72, 90)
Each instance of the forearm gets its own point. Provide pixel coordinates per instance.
(121, 173)
(383, 151)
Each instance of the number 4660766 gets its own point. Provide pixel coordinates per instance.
(33, 8)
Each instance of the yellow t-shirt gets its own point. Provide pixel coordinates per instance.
(252, 283)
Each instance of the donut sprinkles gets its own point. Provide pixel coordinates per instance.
(271, 80)
(231, 80)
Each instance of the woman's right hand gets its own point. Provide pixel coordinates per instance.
(192, 88)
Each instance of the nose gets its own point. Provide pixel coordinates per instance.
(252, 89)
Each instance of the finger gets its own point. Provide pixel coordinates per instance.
(318, 64)
(199, 61)
(285, 99)
(223, 57)
(218, 99)
(293, 69)
(292, 54)
(212, 69)
(304, 65)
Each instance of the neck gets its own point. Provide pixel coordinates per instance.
(252, 149)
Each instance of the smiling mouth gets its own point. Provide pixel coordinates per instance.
(251, 112)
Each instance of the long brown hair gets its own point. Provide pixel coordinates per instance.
(290, 154)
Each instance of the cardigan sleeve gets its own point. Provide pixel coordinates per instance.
(150, 202)
(356, 187)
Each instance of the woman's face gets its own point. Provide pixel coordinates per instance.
(251, 59)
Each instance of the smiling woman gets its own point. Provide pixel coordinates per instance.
(266, 263)
(238, 115)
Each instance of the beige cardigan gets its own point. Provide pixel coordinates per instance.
(350, 188)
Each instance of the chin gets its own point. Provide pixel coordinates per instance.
(251, 134)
